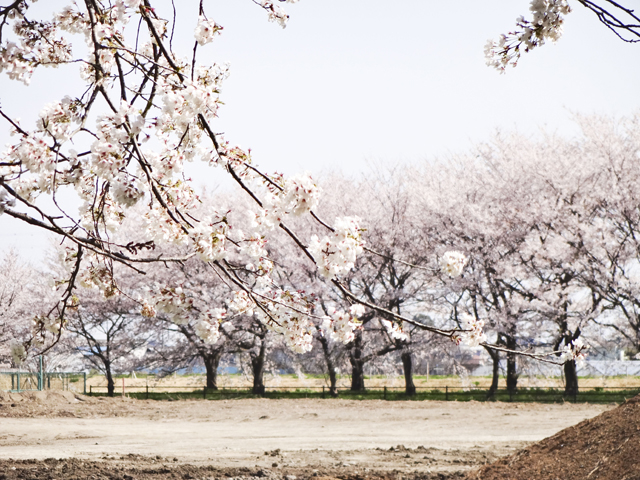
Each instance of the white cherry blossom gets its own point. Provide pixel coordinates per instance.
(208, 326)
(545, 24)
(206, 30)
(337, 253)
(452, 263)
(576, 350)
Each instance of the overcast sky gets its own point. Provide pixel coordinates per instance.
(354, 81)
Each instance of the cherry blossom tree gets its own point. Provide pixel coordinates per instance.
(122, 142)
(473, 221)
(179, 347)
(394, 271)
(191, 316)
(110, 334)
(20, 287)
(604, 237)
(544, 286)
(549, 226)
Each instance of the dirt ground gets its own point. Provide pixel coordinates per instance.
(62, 435)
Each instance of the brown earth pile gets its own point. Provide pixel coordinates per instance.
(57, 403)
(606, 447)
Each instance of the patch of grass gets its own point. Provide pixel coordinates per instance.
(528, 395)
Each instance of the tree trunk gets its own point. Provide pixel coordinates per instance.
(407, 366)
(257, 367)
(111, 386)
(569, 367)
(357, 363)
(211, 361)
(495, 358)
(571, 379)
(512, 366)
(331, 368)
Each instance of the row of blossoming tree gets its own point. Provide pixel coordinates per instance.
(120, 146)
(550, 226)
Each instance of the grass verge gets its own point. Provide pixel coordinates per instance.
(534, 395)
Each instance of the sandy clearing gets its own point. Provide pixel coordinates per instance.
(307, 432)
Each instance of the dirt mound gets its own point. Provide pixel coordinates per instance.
(45, 397)
(47, 403)
(606, 447)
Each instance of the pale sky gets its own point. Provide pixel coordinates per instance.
(349, 82)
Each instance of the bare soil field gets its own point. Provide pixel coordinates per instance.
(63, 435)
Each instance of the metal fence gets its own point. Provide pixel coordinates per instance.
(18, 381)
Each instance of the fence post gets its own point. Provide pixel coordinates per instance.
(18, 379)
(84, 388)
(147, 391)
(91, 390)
(385, 392)
(446, 393)
(323, 391)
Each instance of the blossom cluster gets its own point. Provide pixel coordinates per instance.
(286, 312)
(114, 133)
(38, 44)
(471, 332)
(394, 330)
(50, 324)
(209, 239)
(452, 263)
(206, 30)
(336, 254)
(95, 273)
(175, 303)
(241, 303)
(576, 351)
(276, 13)
(208, 326)
(59, 119)
(184, 100)
(546, 24)
(340, 326)
(182, 308)
(295, 195)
